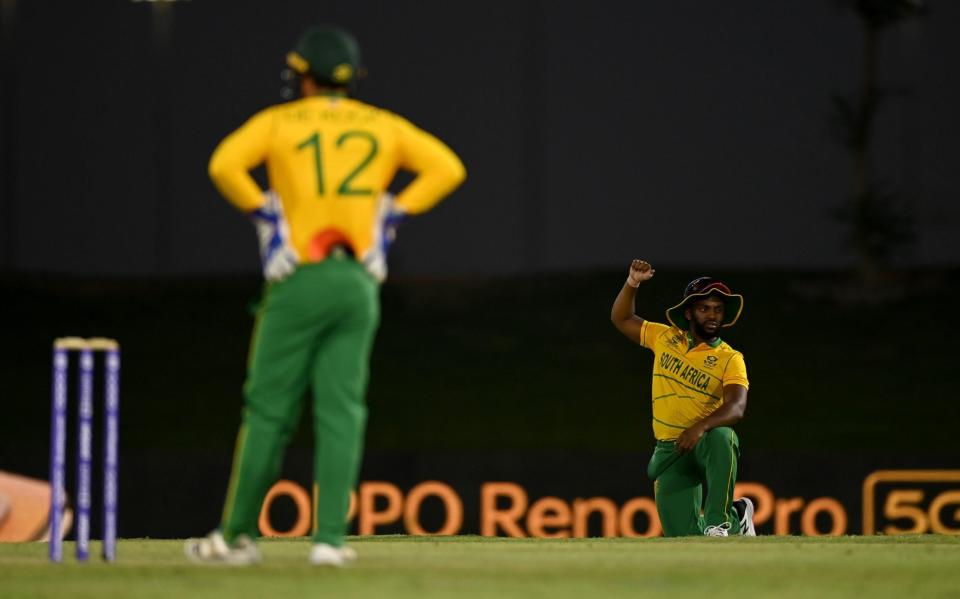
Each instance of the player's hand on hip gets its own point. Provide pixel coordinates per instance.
(277, 255)
(392, 220)
(389, 219)
(640, 271)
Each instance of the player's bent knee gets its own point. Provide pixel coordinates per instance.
(721, 435)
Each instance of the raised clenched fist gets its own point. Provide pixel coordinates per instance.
(640, 271)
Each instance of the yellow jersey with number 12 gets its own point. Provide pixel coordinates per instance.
(688, 379)
(330, 159)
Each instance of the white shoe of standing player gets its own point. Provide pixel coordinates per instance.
(213, 549)
(322, 554)
(720, 530)
(744, 507)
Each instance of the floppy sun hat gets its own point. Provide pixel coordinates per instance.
(701, 288)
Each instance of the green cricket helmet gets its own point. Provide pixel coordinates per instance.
(704, 287)
(330, 54)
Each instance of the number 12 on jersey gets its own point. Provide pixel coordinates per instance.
(346, 187)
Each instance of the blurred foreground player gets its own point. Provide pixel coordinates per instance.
(324, 227)
(699, 392)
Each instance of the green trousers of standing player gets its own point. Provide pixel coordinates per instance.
(679, 479)
(314, 330)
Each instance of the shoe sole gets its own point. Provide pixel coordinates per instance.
(327, 564)
(334, 558)
(748, 517)
(192, 549)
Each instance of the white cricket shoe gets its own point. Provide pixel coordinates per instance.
(717, 531)
(213, 549)
(322, 554)
(744, 507)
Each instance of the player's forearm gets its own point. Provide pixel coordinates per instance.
(728, 414)
(624, 307)
(239, 188)
(623, 314)
(431, 186)
(233, 180)
(623, 317)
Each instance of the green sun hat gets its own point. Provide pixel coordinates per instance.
(701, 288)
(330, 54)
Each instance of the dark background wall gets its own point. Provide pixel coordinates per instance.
(499, 379)
(591, 132)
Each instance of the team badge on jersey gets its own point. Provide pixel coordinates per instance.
(710, 361)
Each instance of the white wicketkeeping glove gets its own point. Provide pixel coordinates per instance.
(388, 221)
(278, 257)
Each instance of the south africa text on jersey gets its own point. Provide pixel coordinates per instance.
(674, 365)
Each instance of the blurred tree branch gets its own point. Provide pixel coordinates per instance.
(876, 217)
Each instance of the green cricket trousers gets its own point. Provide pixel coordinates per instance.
(679, 479)
(315, 329)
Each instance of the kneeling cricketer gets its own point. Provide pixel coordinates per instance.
(699, 392)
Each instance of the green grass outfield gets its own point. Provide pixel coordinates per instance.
(421, 567)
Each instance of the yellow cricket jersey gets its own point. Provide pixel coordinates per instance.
(687, 381)
(330, 159)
